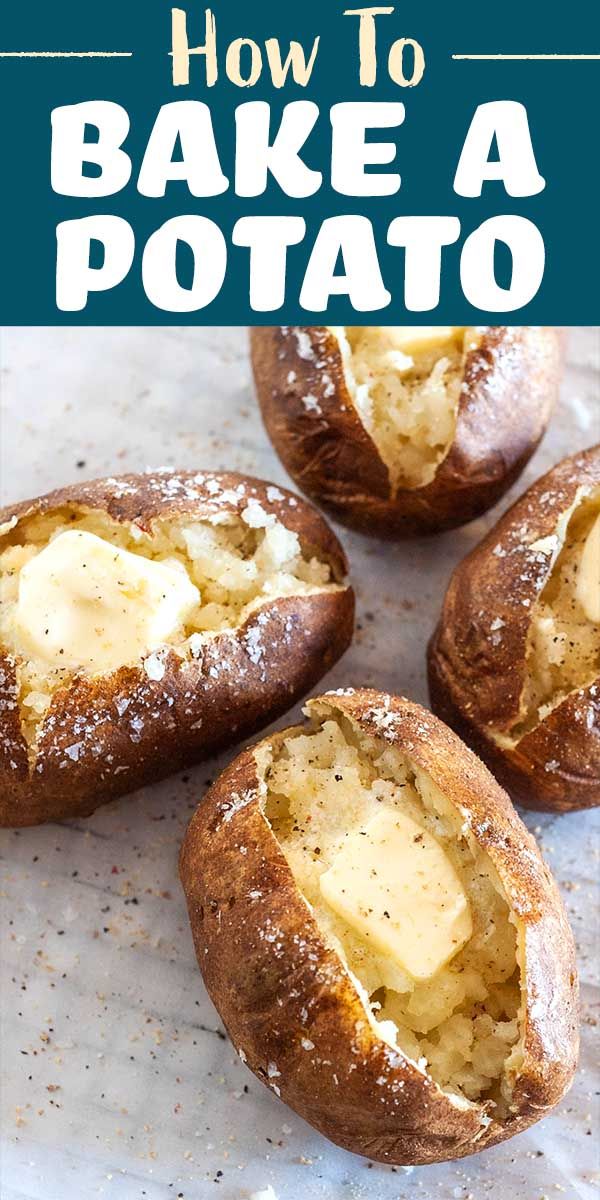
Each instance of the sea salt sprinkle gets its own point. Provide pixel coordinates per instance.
(311, 404)
(154, 667)
(303, 344)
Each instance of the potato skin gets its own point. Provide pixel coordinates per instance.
(510, 385)
(275, 982)
(476, 680)
(106, 736)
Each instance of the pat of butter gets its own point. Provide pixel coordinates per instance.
(84, 603)
(394, 885)
(417, 339)
(588, 576)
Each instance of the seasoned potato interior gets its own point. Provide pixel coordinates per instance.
(563, 649)
(234, 565)
(326, 787)
(405, 384)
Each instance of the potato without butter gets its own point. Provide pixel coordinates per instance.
(407, 1032)
(514, 664)
(147, 621)
(400, 430)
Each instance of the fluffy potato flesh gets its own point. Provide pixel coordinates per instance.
(563, 646)
(223, 570)
(405, 385)
(461, 1023)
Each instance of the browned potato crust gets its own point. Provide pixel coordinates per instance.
(276, 982)
(478, 654)
(129, 729)
(508, 392)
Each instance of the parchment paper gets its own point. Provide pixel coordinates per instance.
(117, 1080)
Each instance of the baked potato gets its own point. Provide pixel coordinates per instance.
(380, 935)
(514, 665)
(399, 431)
(149, 620)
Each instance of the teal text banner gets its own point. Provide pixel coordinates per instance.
(515, 87)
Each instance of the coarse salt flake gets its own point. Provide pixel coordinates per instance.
(154, 667)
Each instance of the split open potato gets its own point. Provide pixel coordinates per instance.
(514, 665)
(380, 935)
(400, 430)
(149, 620)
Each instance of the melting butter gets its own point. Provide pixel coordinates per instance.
(84, 603)
(588, 575)
(395, 886)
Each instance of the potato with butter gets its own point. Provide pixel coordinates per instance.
(149, 620)
(514, 665)
(380, 935)
(400, 430)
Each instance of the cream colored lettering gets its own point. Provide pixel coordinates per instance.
(243, 56)
(396, 62)
(367, 44)
(296, 62)
(181, 51)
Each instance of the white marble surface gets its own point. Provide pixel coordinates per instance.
(116, 1079)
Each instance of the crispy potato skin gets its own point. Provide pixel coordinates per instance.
(130, 730)
(275, 981)
(510, 385)
(476, 682)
